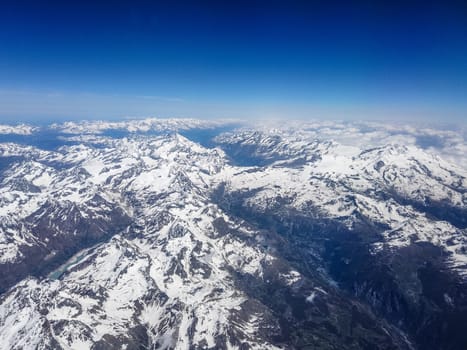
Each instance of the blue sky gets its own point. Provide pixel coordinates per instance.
(258, 59)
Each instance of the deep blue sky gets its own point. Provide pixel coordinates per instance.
(297, 59)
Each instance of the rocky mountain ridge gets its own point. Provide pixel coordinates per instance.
(267, 240)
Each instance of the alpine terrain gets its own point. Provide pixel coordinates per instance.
(192, 234)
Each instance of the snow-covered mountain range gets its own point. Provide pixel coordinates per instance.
(187, 234)
(20, 129)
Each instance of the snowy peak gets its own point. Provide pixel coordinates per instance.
(273, 238)
(20, 129)
(140, 125)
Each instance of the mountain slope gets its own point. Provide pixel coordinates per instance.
(270, 240)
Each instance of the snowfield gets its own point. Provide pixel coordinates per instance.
(154, 240)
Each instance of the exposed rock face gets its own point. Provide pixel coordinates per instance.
(268, 241)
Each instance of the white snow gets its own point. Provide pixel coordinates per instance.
(173, 265)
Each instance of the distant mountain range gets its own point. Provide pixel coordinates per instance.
(220, 234)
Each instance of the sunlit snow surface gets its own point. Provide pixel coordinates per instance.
(171, 269)
(20, 129)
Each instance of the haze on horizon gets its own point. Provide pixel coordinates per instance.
(255, 59)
